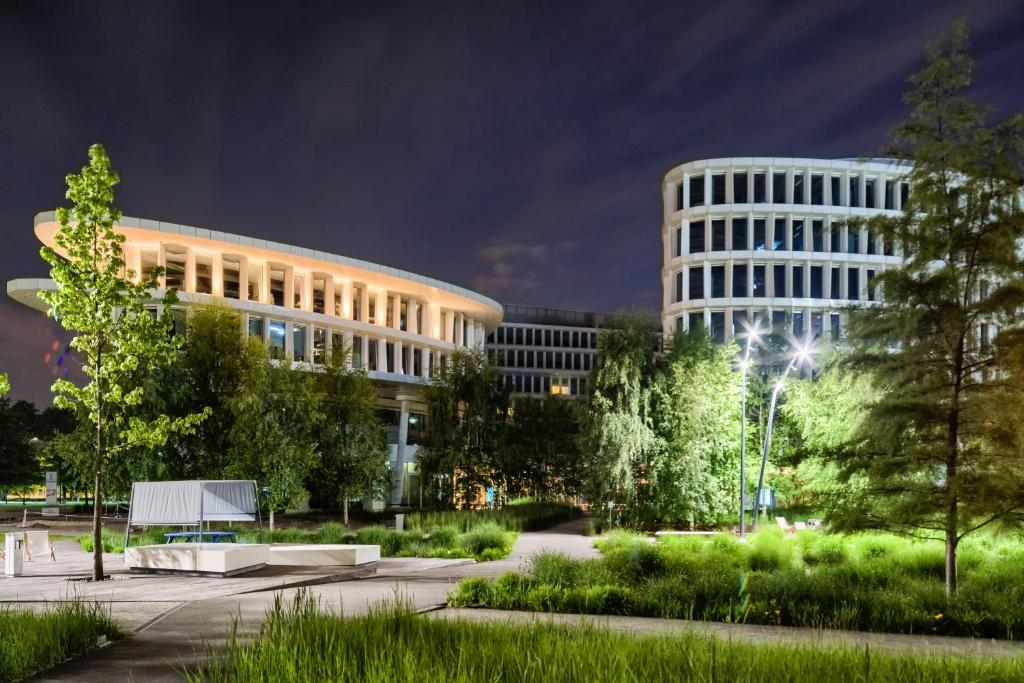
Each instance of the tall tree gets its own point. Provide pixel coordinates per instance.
(99, 301)
(19, 464)
(352, 442)
(540, 454)
(275, 413)
(466, 411)
(926, 444)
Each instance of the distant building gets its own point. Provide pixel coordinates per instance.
(545, 350)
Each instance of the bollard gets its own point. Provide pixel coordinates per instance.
(13, 551)
(400, 522)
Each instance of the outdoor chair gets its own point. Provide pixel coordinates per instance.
(799, 526)
(783, 524)
(39, 543)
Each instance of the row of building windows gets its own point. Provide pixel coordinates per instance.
(529, 336)
(707, 281)
(545, 384)
(787, 234)
(549, 360)
(799, 324)
(813, 188)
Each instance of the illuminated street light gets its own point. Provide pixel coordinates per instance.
(802, 354)
(753, 336)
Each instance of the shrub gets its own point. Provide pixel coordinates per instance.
(487, 537)
(769, 551)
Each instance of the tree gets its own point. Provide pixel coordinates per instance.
(694, 473)
(5, 384)
(98, 300)
(275, 412)
(351, 439)
(540, 454)
(466, 411)
(19, 464)
(620, 429)
(926, 445)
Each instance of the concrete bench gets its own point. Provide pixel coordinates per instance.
(317, 555)
(212, 559)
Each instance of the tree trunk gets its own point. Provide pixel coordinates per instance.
(97, 510)
(271, 519)
(951, 548)
(344, 508)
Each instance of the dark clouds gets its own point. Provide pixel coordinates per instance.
(514, 147)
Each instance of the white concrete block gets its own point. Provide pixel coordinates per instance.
(316, 555)
(214, 558)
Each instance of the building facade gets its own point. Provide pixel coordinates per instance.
(780, 240)
(542, 351)
(306, 305)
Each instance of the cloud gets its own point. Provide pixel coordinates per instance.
(513, 270)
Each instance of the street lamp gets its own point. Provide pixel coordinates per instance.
(752, 336)
(802, 353)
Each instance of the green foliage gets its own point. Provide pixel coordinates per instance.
(18, 458)
(98, 299)
(35, 641)
(937, 447)
(876, 582)
(520, 517)
(5, 384)
(301, 642)
(540, 449)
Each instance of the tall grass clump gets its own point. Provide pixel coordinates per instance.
(298, 642)
(35, 641)
(874, 582)
(516, 516)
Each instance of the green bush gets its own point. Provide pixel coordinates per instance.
(516, 516)
(298, 642)
(487, 537)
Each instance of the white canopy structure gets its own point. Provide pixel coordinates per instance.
(191, 502)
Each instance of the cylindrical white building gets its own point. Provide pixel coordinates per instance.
(777, 239)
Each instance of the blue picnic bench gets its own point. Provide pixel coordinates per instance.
(214, 536)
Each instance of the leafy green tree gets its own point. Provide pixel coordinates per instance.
(620, 429)
(275, 413)
(541, 454)
(351, 438)
(466, 411)
(5, 384)
(19, 464)
(694, 473)
(99, 301)
(926, 445)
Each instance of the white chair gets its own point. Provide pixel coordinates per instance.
(783, 524)
(38, 543)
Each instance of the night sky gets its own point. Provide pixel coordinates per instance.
(514, 148)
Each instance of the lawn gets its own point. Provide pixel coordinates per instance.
(873, 582)
(34, 641)
(300, 643)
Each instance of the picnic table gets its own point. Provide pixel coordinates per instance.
(214, 536)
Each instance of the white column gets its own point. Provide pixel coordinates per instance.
(398, 475)
(190, 270)
(217, 284)
(424, 362)
(382, 355)
(381, 307)
(346, 298)
(364, 345)
(243, 278)
(347, 337)
(289, 342)
(399, 358)
(289, 287)
(396, 312)
(449, 333)
(328, 295)
(413, 313)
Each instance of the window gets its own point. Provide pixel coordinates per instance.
(718, 326)
(717, 282)
(680, 191)
(834, 292)
(818, 235)
(403, 314)
(779, 277)
(299, 342)
(890, 195)
(357, 303)
(817, 284)
(759, 280)
(739, 188)
(319, 294)
(277, 285)
(834, 326)
(853, 284)
(677, 246)
(816, 324)
(414, 432)
(547, 337)
(275, 342)
(780, 324)
(695, 321)
(852, 239)
(817, 188)
(389, 314)
(718, 188)
(871, 285)
(174, 267)
(904, 195)
(696, 282)
(392, 424)
(179, 320)
(256, 327)
(798, 282)
(679, 287)
(255, 284)
(835, 238)
(338, 308)
(389, 356)
(739, 279)
(855, 190)
(298, 285)
(697, 190)
(760, 239)
(231, 269)
(798, 235)
(869, 193)
(760, 188)
(739, 234)
(798, 324)
(837, 197)
(779, 188)
(696, 237)
(148, 264)
(872, 245)
(798, 188)
(779, 237)
(356, 350)
(739, 322)
(319, 345)
(718, 235)
(371, 355)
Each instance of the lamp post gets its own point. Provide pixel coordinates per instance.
(799, 356)
(744, 366)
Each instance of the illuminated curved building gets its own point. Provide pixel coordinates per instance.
(777, 239)
(307, 304)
